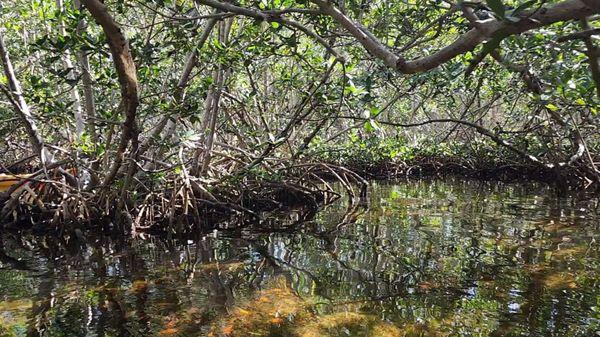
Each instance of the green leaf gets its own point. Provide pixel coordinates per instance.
(497, 7)
(487, 48)
(491, 45)
(371, 125)
(551, 107)
(374, 112)
(523, 7)
(218, 44)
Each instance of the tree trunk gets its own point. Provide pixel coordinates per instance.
(74, 93)
(15, 95)
(126, 72)
(210, 126)
(592, 53)
(203, 156)
(86, 77)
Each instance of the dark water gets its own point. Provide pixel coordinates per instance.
(441, 258)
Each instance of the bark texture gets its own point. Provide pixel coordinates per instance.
(126, 71)
(562, 11)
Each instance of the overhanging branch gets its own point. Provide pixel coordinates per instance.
(273, 16)
(563, 11)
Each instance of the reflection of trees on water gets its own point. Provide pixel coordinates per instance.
(457, 262)
(42, 303)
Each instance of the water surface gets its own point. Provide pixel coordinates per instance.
(426, 258)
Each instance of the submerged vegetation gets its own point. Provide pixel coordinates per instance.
(435, 258)
(173, 114)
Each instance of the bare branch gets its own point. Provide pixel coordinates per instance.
(584, 34)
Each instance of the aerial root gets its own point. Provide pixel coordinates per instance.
(179, 203)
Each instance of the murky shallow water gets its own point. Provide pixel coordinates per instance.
(438, 258)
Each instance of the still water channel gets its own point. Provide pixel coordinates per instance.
(426, 258)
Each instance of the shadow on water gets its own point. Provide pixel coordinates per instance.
(427, 258)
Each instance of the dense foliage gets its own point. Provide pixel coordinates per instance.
(127, 100)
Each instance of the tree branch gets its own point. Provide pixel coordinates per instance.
(480, 129)
(579, 35)
(14, 94)
(273, 16)
(126, 72)
(562, 11)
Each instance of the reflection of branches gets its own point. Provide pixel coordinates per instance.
(222, 291)
(9, 260)
(275, 261)
(350, 217)
(42, 304)
(352, 214)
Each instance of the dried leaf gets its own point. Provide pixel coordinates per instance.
(228, 330)
(276, 320)
(170, 331)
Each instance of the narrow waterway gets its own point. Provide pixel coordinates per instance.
(424, 258)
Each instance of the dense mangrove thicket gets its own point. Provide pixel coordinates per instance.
(175, 111)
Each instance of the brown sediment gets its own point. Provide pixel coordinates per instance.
(279, 311)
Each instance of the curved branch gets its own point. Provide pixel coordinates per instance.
(480, 129)
(14, 93)
(273, 16)
(126, 72)
(562, 11)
